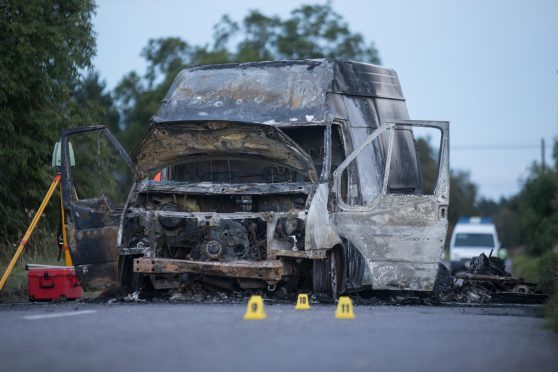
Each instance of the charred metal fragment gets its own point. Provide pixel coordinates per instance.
(487, 281)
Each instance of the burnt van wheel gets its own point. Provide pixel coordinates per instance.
(327, 275)
(129, 279)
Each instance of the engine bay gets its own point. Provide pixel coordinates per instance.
(176, 233)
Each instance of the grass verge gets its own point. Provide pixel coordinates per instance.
(41, 249)
(552, 312)
(544, 271)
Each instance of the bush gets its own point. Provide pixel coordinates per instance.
(548, 281)
(548, 272)
(552, 312)
(544, 271)
(526, 267)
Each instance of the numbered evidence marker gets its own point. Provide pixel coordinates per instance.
(255, 309)
(302, 302)
(345, 308)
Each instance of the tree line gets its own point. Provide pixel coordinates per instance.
(47, 83)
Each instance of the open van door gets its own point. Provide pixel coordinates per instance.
(399, 237)
(94, 191)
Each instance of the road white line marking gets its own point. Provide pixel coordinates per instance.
(58, 315)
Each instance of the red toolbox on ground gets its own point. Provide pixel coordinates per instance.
(53, 282)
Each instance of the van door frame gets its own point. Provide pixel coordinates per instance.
(401, 237)
(97, 270)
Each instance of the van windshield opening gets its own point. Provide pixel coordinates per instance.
(474, 240)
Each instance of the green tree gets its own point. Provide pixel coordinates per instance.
(463, 192)
(463, 196)
(45, 44)
(310, 31)
(138, 98)
(93, 103)
(506, 219)
(428, 164)
(538, 210)
(529, 218)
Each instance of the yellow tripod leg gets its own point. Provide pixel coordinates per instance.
(65, 248)
(30, 229)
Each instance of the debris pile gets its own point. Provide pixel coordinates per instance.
(486, 280)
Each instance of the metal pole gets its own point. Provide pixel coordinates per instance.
(30, 229)
(542, 155)
(65, 248)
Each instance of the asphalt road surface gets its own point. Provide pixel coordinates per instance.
(214, 337)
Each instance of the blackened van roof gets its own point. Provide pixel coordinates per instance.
(280, 92)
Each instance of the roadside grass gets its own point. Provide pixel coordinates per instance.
(526, 267)
(552, 312)
(549, 281)
(544, 271)
(41, 249)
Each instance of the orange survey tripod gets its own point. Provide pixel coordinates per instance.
(31, 228)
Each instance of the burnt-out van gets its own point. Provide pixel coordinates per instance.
(268, 175)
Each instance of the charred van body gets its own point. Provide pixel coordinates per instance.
(263, 175)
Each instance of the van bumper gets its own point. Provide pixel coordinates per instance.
(268, 270)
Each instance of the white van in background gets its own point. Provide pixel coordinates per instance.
(471, 237)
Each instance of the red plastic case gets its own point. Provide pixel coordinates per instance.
(47, 284)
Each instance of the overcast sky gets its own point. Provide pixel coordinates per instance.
(489, 67)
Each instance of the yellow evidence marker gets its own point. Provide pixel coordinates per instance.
(255, 309)
(345, 308)
(302, 302)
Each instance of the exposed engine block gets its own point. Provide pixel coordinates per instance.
(227, 242)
